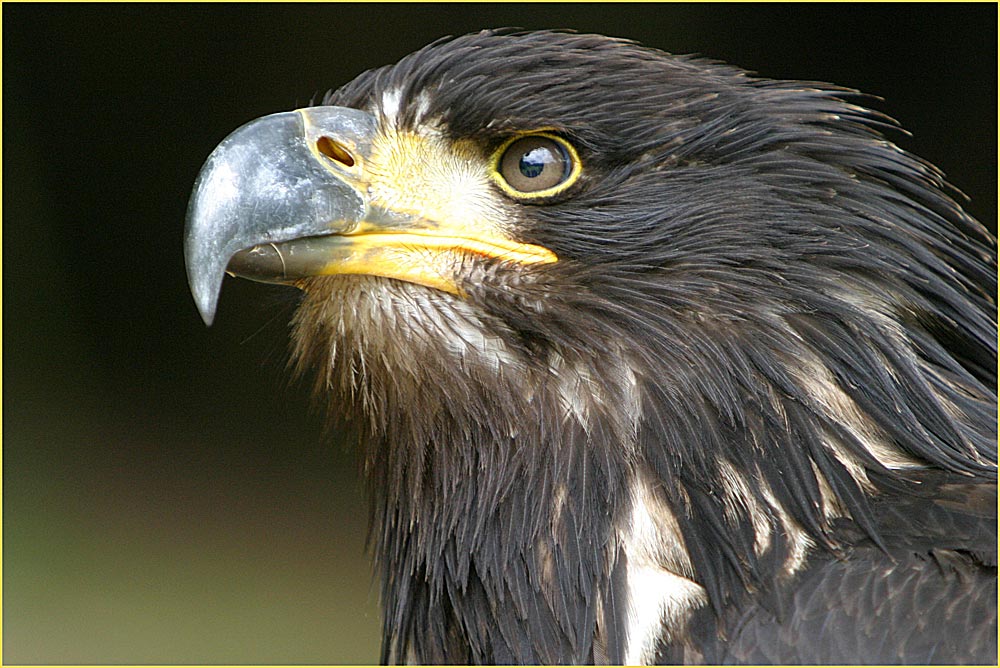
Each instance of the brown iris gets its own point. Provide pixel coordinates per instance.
(535, 163)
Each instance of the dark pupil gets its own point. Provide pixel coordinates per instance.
(534, 161)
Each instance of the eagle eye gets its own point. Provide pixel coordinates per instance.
(536, 165)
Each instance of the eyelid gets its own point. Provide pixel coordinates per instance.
(575, 166)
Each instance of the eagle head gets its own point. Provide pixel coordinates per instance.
(630, 341)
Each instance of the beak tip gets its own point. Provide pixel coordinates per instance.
(207, 305)
(207, 315)
(205, 287)
(206, 298)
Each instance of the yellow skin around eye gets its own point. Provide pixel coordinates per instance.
(449, 209)
(441, 182)
(575, 169)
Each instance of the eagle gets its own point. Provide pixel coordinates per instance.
(647, 359)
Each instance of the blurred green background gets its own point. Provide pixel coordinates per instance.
(168, 495)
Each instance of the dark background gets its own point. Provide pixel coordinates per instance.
(168, 495)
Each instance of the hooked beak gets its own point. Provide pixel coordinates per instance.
(265, 185)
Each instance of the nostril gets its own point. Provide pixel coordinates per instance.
(334, 150)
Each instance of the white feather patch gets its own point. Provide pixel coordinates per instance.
(819, 384)
(659, 598)
(391, 100)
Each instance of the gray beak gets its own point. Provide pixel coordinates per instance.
(274, 180)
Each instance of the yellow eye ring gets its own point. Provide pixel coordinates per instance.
(535, 165)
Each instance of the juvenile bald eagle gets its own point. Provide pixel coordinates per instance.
(649, 360)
